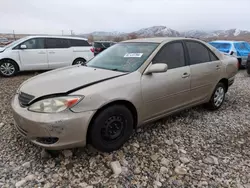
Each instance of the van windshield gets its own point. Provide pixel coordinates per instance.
(15, 43)
(123, 57)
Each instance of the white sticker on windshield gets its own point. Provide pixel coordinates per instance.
(133, 54)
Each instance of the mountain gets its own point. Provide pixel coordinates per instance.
(163, 31)
(217, 33)
(160, 31)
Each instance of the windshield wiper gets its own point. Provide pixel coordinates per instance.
(117, 70)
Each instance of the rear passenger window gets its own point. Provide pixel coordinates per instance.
(213, 57)
(198, 53)
(172, 54)
(57, 43)
(75, 42)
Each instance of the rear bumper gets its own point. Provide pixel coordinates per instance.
(243, 61)
(230, 81)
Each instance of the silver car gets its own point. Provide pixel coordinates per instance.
(129, 84)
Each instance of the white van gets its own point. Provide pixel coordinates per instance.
(43, 53)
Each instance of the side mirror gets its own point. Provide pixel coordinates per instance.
(157, 68)
(23, 46)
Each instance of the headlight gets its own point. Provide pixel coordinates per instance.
(54, 105)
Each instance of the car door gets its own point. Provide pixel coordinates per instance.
(33, 56)
(205, 70)
(60, 54)
(168, 91)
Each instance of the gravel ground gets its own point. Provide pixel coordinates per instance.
(195, 148)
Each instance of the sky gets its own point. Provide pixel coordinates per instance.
(84, 16)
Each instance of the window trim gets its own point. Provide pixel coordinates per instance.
(194, 41)
(171, 42)
(17, 47)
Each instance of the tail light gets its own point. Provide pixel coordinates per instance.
(92, 50)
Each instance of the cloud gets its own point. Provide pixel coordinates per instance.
(82, 16)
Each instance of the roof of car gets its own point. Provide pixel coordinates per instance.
(158, 39)
(226, 41)
(56, 36)
(106, 41)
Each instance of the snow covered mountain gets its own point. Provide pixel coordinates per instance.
(163, 31)
(160, 31)
(216, 33)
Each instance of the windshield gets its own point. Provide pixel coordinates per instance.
(15, 43)
(124, 57)
(221, 45)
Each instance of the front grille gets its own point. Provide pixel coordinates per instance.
(25, 98)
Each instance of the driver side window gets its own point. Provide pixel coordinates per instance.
(37, 43)
(172, 54)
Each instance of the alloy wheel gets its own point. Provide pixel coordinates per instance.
(219, 96)
(7, 69)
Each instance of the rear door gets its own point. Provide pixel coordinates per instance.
(205, 70)
(81, 49)
(34, 57)
(168, 91)
(59, 52)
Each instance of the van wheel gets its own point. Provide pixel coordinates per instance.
(217, 98)
(79, 61)
(8, 68)
(111, 128)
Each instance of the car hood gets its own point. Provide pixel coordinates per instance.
(66, 80)
(2, 49)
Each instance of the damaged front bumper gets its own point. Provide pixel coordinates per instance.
(52, 131)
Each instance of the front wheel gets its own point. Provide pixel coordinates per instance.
(218, 97)
(111, 128)
(8, 68)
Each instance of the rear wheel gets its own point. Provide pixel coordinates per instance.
(8, 68)
(79, 61)
(111, 128)
(218, 97)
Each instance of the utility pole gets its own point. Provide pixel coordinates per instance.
(14, 34)
(62, 32)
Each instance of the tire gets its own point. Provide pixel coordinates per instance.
(219, 93)
(111, 128)
(8, 68)
(79, 61)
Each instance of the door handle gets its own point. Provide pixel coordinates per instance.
(217, 67)
(185, 75)
(51, 52)
(41, 52)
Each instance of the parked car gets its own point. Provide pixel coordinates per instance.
(3, 41)
(100, 46)
(43, 53)
(126, 86)
(238, 49)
